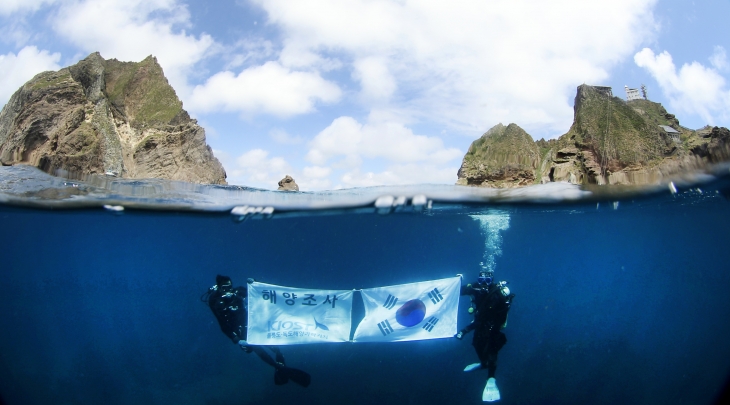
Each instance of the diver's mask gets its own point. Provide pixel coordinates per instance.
(224, 283)
(485, 277)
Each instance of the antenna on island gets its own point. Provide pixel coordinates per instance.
(643, 91)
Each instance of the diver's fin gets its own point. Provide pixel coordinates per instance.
(491, 392)
(472, 367)
(298, 376)
(280, 377)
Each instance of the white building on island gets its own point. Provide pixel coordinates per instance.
(632, 94)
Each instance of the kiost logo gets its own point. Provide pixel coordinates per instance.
(295, 324)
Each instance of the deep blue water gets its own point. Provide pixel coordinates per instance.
(628, 305)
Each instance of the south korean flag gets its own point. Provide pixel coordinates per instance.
(416, 311)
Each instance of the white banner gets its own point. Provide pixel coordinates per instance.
(416, 311)
(286, 316)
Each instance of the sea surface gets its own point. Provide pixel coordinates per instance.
(622, 294)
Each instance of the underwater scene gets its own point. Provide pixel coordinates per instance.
(619, 297)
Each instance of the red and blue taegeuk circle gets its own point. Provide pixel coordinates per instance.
(411, 313)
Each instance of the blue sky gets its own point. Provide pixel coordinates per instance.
(354, 93)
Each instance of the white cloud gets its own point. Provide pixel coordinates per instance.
(374, 77)
(719, 58)
(256, 169)
(347, 138)
(369, 179)
(293, 56)
(259, 159)
(694, 89)
(468, 63)
(15, 70)
(270, 88)
(317, 172)
(341, 150)
(400, 175)
(247, 52)
(408, 158)
(131, 30)
(313, 184)
(8, 7)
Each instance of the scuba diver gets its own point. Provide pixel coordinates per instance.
(229, 305)
(490, 303)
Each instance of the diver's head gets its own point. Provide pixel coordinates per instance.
(485, 277)
(223, 282)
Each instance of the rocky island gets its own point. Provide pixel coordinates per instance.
(611, 141)
(124, 119)
(106, 117)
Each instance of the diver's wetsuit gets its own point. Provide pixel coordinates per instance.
(229, 307)
(489, 317)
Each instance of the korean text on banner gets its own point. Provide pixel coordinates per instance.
(280, 315)
(416, 311)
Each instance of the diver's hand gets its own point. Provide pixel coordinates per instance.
(242, 343)
(250, 280)
(459, 335)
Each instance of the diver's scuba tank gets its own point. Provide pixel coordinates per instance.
(506, 293)
(503, 288)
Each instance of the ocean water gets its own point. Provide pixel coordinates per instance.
(621, 296)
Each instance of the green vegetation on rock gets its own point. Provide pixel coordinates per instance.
(616, 133)
(50, 79)
(501, 151)
(141, 92)
(611, 141)
(82, 140)
(117, 76)
(104, 116)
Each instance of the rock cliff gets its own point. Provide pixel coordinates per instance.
(288, 184)
(503, 157)
(106, 117)
(611, 141)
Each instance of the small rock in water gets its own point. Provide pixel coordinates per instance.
(288, 184)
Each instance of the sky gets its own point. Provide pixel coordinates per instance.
(357, 93)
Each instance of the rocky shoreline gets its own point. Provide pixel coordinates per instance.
(611, 141)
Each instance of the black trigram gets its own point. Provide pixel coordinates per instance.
(435, 295)
(390, 302)
(385, 327)
(430, 323)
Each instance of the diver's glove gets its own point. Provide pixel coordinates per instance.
(242, 343)
(459, 335)
(250, 280)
